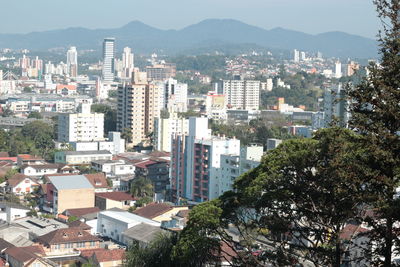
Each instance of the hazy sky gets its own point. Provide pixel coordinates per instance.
(311, 16)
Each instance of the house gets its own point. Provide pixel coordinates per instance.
(113, 168)
(112, 223)
(143, 233)
(68, 241)
(108, 200)
(177, 222)
(108, 258)
(159, 211)
(104, 257)
(24, 257)
(26, 159)
(68, 192)
(98, 181)
(20, 184)
(65, 89)
(11, 211)
(39, 169)
(81, 157)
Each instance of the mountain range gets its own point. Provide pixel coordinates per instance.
(209, 34)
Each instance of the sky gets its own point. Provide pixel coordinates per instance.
(310, 16)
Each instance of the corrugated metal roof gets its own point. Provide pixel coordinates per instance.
(70, 182)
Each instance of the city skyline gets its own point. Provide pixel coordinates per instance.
(309, 16)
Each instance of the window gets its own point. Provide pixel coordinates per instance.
(57, 246)
(92, 243)
(69, 245)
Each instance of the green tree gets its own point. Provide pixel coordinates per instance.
(35, 115)
(142, 187)
(376, 115)
(127, 135)
(72, 218)
(157, 253)
(110, 116)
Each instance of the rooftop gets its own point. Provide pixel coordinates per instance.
(117, 196)
(127, 217)
(153, 210)
(66, 235)
(70, 182)
(82, 211)
(98, 180)
(143, 232)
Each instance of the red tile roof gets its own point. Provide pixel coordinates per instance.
(35, 249)
(145, 164)
(20, 254)
(4, 154)
(153, 210)
(117, 196)
(18, 178)
(13, 159)
(81, 211)
(67, 86)
(28, 157)
(98, 180)
(109, 255)
(79, 224)
(66, 235)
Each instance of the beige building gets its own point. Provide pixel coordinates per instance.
(164, 129)
(138, 104)
(109, 200)
(69, 192)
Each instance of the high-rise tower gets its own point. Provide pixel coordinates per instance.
(108, 59)
(72, 61)
(127, 63)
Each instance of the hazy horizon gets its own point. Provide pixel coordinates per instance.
(309, 16)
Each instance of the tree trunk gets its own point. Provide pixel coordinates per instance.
(388, 242)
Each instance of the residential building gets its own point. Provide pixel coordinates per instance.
(72, 62)
(26, 159)
(174, 97)
(159, 212)
(98, 181)
(195, 162)
(108, 257)
(68, 242)
(273, 143)
(23, 257)
(164, 129)
(109, 200)
(108, 59)
(157, 171)
(138, 105)
(115, 144)
(215, 106)
(161, 72)
(338, 70)
(127, 63)
(38, 170)
(20, 184)
(11, 211)
(112, 223)
(68, 192)
(335, 107)
(81, 157)
(241, 94)
(234, 165)
(113, 168)
(82, 126)
(65, 89)
(296, 55)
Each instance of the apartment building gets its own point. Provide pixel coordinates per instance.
(164, 129)
(195, 162)
(82, 126)
(138, 105)
(240, 94)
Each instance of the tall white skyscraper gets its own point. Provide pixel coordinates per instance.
(338, 70)
(296, 55)
(108, 59)
(72, 61)
(127, 63)
(174, 96)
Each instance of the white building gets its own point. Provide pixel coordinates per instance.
(113, 168)
(12, 211)
(234, 165)
(127, 63)
(81, 127)
(112, 223)
(72, 61)
(81, 157)
(164, 129)
(174, 97)
(215, 106)
(338, 70)
(334, 106)
(241, 94)
(296, 55)
(273, 143)
(108, 59)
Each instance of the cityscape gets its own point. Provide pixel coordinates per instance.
(220, 144)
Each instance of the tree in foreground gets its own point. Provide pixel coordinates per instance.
(376, 115)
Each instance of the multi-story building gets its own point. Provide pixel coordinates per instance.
(138, 105)
(68, 192)
(127, 63)
(80, 127)
(195, 162)
(81, 157)
(161, 72)
(174, 97)
(241, 94)
(164, 129)
(335, 106)
(215, 106)
(234, 165)
(72, 62)
(108, 59)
